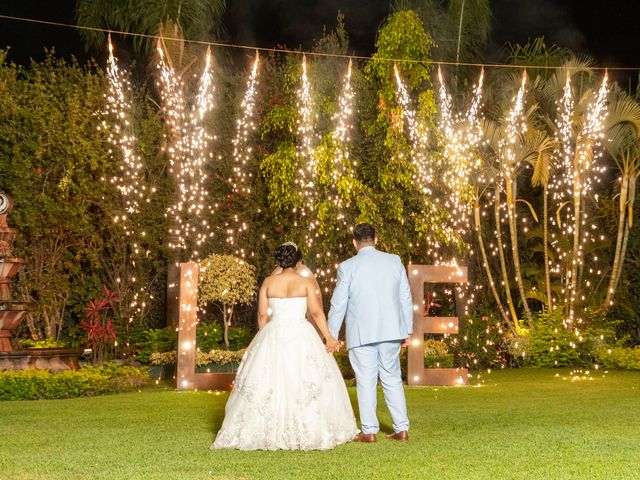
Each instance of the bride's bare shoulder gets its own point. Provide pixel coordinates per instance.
(276, 271)
(304, 271)
(270, 281)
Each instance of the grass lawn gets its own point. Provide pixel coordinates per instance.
(520, 424)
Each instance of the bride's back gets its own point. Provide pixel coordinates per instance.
(287, 284)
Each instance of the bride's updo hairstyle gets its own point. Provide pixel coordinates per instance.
(287, 255)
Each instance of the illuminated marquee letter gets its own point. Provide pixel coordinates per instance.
(186, 376)
(417, 374)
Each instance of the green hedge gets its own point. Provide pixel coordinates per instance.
(42, 384)
(549, 344)
(342, 359)
(619, 358)
(445, 360)
(479, 345)
(208, 337)
(214, 357)
(47, 343)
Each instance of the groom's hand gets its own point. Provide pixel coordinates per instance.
(332, 345)
(404, 343)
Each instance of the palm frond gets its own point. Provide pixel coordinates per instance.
(542, 147)
(197, 19)
(623, 110)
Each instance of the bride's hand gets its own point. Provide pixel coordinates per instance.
(332, 345)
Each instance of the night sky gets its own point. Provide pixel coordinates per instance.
(607, 30)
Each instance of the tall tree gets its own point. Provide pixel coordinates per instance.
(624, 147)
(460, 28)
(189, 19)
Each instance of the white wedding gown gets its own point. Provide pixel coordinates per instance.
(289, 393)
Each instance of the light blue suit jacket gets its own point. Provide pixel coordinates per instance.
(373, 292)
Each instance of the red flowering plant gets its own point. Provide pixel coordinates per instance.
(99, 323)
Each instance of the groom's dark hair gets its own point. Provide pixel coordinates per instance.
(364, 232)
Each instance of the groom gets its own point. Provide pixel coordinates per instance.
(373, 292)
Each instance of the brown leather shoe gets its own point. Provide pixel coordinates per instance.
(366, 438)
(400, 436)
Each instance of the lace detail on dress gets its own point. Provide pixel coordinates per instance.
(289, 393)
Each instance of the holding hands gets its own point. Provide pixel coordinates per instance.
(331, 344)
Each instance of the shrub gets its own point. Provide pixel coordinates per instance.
(436, 354)
(442, 360)
(99, 322)
(239, 338)
(209, 336)
(42, 384)
(227, 281)
(480, 343)
(157, 340)
(439, 361)
(342, 359)
(214, 357)
(550, 344)
(619, 358)
(36, 344)
(518, 348)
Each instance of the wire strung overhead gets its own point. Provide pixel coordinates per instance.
(299, 52)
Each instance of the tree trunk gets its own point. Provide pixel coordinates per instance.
(485, 262)
(503, 263)
(545, 245)
(225, 321)
(459, 32)
(511, 210)
(613, 280)
(576, 252)
(173, 289)
(48, 324)
(631, 197)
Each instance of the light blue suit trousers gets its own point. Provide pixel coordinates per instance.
(370, 362)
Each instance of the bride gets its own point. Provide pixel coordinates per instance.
(289, 393)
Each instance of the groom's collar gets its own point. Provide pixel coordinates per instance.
(366, 249)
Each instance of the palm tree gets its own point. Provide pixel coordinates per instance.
(543, 147)
(478, 194)
(574, 112)
(493, 133)
(193, 19)
(511, 149)
(511, 154)
(624, 147)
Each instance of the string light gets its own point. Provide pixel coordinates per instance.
(424, 172)
(209, 44)
(117, 121)
(579, 138)
(461, 136)
(245, 126)
(242, 152)
(338, 191)
(305, 153)
(118, 124)
(188, 150)
(342, 172)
